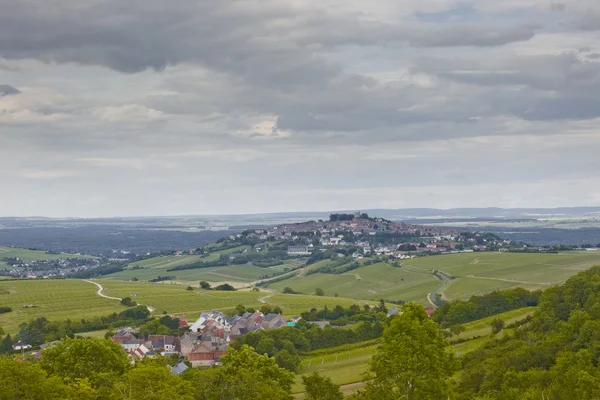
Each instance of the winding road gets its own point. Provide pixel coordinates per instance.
(101, 290)
(100, 293)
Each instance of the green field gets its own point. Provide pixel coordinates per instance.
(478, 273)
(153, 267)
(53, 299)
(372, 282)
(76, 299)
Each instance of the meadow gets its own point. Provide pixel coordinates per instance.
(53, 299)
(372, 282)
(479, 273)
(151, 268)
(76, 299)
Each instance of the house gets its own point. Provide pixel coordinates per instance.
(273, 321)
(206, 354)
(124, 334)
(132, 344)
(166, 342)
(179, 368)
(140, 352)
(298, 251)
(187, 343)
(211, 318)
(393, 311)
(21, 346)
(429, 311)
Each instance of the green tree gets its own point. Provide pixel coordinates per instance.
(244, 375)
(127, 302)
(6, 345)
(154, 327)
(240, 309)
(27, 380)
(287, 360)
(189, 288)
(151, 381)
(319, 292)
(97, 360)
(497, 325)
(318, 387)
(205, 285)
(412, 361)
(288, 290)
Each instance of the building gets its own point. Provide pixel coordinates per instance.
(298, 251)
(273, 321)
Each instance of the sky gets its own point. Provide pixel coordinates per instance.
(148, 107)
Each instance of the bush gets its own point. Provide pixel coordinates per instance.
(226, 287)
(205, 285)
(319, 292)
(127, 302)
(497, 325)
(5, 309)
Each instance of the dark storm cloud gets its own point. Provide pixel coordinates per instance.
(6, 90)
(265, 41)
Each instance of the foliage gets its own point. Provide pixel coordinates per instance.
(478, 307)
(412, 362)
(244, 375)
(319, 292)
(40, 330)
(97, 360)
(205, 285)
(127, 302)
(318, 387)
(5, 309)
(225, 287)
(497, 325)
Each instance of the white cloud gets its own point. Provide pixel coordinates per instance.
(129, 113)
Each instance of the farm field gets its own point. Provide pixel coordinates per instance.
(372, 282)
(478, 273)
(53, 299)
(176, 299)
(153, 267)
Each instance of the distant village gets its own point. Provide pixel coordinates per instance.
(368, 236)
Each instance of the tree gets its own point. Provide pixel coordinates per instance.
(244, 375)
(287, 360)
(189, 288)
(27, 380)
(127, 302)
(497, 325)
(97, 360)
(6, 345)
(240, 309)
(151, 381)
(382, 308)
(205, 285)
(319, 292)
(412, 361)
(318, 387)
(288, 290)
(225, 287)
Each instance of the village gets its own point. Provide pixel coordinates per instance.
(207, 339)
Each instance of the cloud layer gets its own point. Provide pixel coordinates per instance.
(144, 107)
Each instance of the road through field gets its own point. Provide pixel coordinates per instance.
(100, 293)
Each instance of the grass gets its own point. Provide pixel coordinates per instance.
(372, 282)
(478, 273)
(153, 267)
(341, 373)
(53, 299)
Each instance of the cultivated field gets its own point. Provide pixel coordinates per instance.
(153, 267)
(53, 299)
(478, 273)
(372, 282)
(475, 273)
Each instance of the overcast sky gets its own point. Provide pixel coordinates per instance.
(149, 107)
